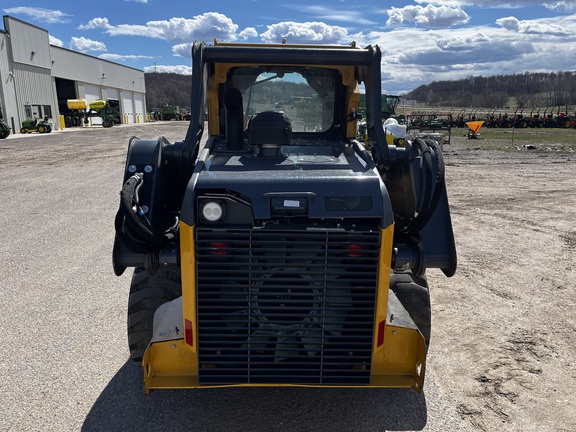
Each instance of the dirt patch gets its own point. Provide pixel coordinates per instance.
(503, 327)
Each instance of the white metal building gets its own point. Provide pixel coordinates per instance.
(37, 79)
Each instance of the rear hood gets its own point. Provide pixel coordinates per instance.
(320, 182)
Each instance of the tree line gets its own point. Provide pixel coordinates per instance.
(499, 91)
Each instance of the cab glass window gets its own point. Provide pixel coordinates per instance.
(305, 95)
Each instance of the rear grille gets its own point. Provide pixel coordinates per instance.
(282, 307)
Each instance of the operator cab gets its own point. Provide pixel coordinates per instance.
(270, 107)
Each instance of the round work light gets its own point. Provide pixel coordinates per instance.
(212, 211)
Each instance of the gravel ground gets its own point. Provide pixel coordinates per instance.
(501, 356)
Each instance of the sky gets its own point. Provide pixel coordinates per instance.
(421, 40)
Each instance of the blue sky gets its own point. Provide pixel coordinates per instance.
(422, 41)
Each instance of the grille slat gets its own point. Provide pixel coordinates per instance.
(279, 306)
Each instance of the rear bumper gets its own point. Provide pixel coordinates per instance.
(399, 362)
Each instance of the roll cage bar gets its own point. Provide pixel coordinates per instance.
(367, 70)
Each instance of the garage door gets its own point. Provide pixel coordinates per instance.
(112, 93)
(127, 107)
(139, 107)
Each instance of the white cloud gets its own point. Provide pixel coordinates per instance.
(533, 27)
(178, 69)
(84, 45)
(55, 41)
(96, 23)
(48, 16)
(414, 56)
(120, 57)
(431, 44)
(464, 42)
(429, 16)
(506, 4)
(183, 50)
(356, 16)
(247, 33)
(202, 27)
(568, 5)
(308, 32)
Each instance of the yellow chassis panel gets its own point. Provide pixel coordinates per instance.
(171, 365)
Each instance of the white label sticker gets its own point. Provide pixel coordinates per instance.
(291, 203)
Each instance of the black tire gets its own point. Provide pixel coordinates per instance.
(413, 293)
(147, 293)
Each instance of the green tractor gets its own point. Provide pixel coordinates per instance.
(4, 128)
(565, 120)
(170, 112)
(107, 110)
(39, 126)
(389, 104)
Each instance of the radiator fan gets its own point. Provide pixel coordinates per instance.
(286, 314)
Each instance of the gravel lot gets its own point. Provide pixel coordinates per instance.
(503, 331)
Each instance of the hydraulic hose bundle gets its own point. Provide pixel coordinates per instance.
(429, 175)
(416, 185)
(133, 226)
(430, 163)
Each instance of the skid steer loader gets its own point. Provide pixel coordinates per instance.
(271, 247)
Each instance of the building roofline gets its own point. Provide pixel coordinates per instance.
(23, 22)
(66, 49)
(94, 57)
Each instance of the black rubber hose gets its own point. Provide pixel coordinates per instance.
(438, 186)
(133, 226)
(427, 171)
(432, 184)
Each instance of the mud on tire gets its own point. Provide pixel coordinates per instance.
(413, 293)
(147, 293)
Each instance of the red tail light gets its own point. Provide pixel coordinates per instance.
(380, 336)
(355, 250)
(188, 335)
(218, 248)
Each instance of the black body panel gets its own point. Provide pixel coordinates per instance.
(327, 182)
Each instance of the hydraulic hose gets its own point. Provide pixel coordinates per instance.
(432, 180)
(133, 226)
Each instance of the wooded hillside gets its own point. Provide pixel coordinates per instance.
(167, 89)
(520, 90)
